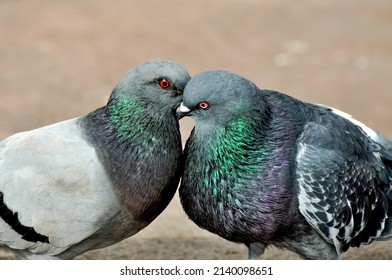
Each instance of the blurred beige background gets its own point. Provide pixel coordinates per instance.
(61, 58)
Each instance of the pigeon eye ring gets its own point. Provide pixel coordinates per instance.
(203, 105)
(164, 83)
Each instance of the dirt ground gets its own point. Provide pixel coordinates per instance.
(60, 59)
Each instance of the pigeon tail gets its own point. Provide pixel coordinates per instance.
(386, 154)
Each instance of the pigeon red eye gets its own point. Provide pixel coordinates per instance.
(203, 105)
(164, 83)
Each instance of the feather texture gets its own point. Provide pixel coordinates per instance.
(89, 182)
(263, 168)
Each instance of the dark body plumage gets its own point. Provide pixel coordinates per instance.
(92, 181)
(264, 168)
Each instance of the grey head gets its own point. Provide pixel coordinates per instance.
(155, 82)
(218, 96)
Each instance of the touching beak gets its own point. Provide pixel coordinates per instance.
(182, 111)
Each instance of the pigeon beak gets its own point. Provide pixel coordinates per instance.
(182, 111)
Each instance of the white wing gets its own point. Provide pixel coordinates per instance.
(52, 182)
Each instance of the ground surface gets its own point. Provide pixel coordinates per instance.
(60, 59)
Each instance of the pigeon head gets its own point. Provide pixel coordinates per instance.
(218, 96)
(154, 82)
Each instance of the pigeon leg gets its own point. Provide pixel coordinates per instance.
(255, 250)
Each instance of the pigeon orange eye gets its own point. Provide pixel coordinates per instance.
(164, 83)
(203, 105)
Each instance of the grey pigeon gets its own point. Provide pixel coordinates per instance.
(263, 168)
(92, 181)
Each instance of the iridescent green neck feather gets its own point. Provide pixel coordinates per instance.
(131, 119)
(235, 158)
(140, 148)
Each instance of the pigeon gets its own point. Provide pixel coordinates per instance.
(91, 181)
(263, 168)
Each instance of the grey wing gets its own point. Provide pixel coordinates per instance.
(53, 191)
(341, 179)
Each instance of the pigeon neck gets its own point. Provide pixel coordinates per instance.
(140, 149)
(219, 169)
(238, 155)
(131, 117)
